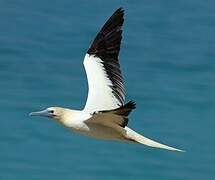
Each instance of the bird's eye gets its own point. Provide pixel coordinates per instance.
(51, 111)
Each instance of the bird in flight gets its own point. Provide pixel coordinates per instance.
(105, 115)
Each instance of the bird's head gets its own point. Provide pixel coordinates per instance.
(51, 112)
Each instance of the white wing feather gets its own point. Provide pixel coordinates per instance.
(100, 95)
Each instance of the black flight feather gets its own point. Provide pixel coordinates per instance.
(106, 46)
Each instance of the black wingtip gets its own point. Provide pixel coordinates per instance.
(126, 109)
(108, 40)
(130, 105)
(119, 13)
(120, 10)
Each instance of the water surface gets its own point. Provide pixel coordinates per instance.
(167, 59)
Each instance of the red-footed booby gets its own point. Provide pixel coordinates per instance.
(105, 115)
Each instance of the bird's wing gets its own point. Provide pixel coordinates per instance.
(113, 118)
(108, 120)
(105, 83)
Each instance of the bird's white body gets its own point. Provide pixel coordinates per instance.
(81, 122)
(105, 115)
(77, 121)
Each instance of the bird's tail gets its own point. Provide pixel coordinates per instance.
(135, 137)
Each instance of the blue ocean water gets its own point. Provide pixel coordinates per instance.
(167, 60)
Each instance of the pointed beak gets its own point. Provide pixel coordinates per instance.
(44, 113)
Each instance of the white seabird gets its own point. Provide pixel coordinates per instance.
(105, 115)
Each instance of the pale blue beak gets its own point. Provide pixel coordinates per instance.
(44, 113)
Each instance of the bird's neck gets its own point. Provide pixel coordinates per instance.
(73, 118)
